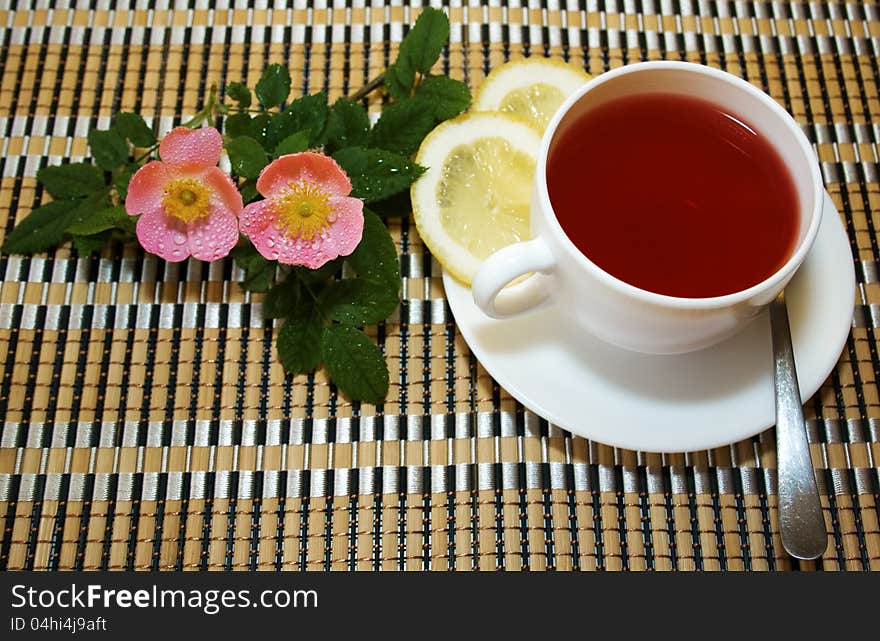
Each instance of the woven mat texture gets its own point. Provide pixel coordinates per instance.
(147, 423)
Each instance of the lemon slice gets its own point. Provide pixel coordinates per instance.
(531, 89)
(474, 198)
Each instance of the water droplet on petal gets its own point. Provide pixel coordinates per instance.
(179, 239)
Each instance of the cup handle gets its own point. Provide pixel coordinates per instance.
(505, 265)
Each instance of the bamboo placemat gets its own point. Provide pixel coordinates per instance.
(148, 425)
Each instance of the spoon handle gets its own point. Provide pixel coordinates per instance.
(801, 522)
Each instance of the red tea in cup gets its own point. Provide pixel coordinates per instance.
(674, 195)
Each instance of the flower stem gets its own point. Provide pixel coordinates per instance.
(361, 93)
(146, 154)
(206, 112)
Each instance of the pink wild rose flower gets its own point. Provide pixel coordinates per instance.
(188, 206)
(307, 217)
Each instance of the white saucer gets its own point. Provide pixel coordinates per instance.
(677, 403)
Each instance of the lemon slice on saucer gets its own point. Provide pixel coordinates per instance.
(474, 198)
(531, 89)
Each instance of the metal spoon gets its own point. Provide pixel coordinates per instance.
(801, 522)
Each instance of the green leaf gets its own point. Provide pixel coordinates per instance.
(45, 226)
(444, 96)
(399, 79)
(424, 42)
(376, 174)
(293, 143)
(121, 180)
(247, 156)
(238, 125)
(355, 364)
(88, 209)
(400, 204)
(239, 92)
(308, 113)
(71, 181)
(375, 257)
(402, 126)
(249, 191)
(108, 148)
(274, 85)
(281, 301)
(104, 219)
(315, 278)
(358, 302)
(259, 273)
(86, 245)
(133, 127)
(348, 125)
(299, 340)
(258, 130)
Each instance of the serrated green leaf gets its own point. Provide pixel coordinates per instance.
(294, 143)
(348, 125)
(86, 245)
(273, 86)
(358, 302)
(88, 208)
(258, 130)
(377, 174)
(101, 220)
(281, 301)
(316, 278)
(311, 115)
(259, 273)
(399, 79)
(109, 149)
(133, 127)
(238, 125)
(308, 113)
(246, 156)
(422, 45)
(402, 126)
(355, 364)
(299, 340)
(258, 277)
(445, 97)
(375, 258)
(239, 92)
(73, 180)
(45, 226)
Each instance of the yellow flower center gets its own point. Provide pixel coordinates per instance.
(186, 199)
(303, 210)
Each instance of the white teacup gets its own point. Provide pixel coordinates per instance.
(609, 308)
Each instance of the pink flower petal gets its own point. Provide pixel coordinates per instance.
(226, 194)
(185, 145)
(348, 229)
(256, 216)
(270, 242)
(147, 187)
(214, 236)
(308, 166)
(340, 240)
(163, 235)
